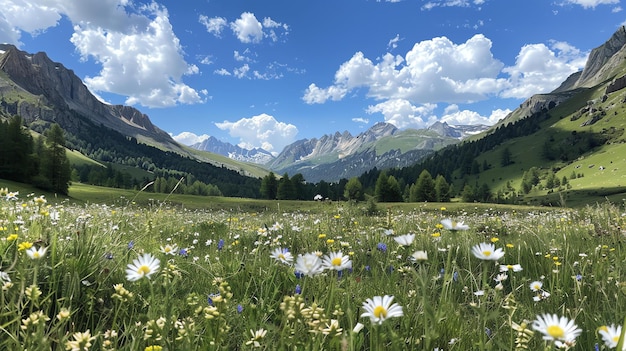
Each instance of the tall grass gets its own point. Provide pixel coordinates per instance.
(218, 288)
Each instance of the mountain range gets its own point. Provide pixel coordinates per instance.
(580, 122)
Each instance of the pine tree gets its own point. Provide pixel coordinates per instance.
(353, 190)
(269, 186)
(55, 167)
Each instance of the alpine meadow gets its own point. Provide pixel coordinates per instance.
(114, 236)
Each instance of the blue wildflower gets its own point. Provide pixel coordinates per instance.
(298, 289)
(382, 247)
(131, 245)
(220, 244)
(210, 298)
(239, 309)
(183, 252)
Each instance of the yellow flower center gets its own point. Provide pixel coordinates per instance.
(616, 338)
(509, 266)
(555, 331)
(143, 270)
(281, 256)
(336, 261)
(380, 312)
(487, 253)
(36, 254)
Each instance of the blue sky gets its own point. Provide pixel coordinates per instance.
(268, 73)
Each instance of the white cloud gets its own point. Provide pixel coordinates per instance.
(189, 138)
(393, 43)
(262, 131)
(222, 72)
(361, 120)
(247, 28)
(454, 116)
(139, 54)
(214, 25)
(541, 69)
(242, 71)
(435, 70)
(592, 3)
(402, 114)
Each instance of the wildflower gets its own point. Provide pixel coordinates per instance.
(536, 286)
(256, 336)
(309, 264)
(36, 254)
(337, 261)
(380, 308)
(63, 314)
(144, 266)
(610, 335)
(220, 244)
(453, 225)
(555, 328)
(12, 195)
(388, 232)
(487, 252)
(282, 255)
(419, 256)
(513, 267)
(169, 249)
(81, 342)
(298, 289)
(12, 237)
(358, 327)
(153, 348)
(405, 240)
(542, 295)
(332, 328)
(501, 277)
(4, 277)
(25, 245)
(382, 247)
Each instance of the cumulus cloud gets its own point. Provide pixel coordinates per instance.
(407, 88)
(435, 70)
(213, 25)
(402, 114)
(189, 138)
(140, 55)
(262, 131)
(247, 28)
(454, 116)
(540, 69)
(592, 3)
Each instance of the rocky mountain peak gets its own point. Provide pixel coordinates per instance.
(60, 94)
(600, 56)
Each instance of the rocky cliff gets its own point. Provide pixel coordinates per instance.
(36, 88)
(212, 144)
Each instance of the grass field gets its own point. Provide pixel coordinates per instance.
(234, 274)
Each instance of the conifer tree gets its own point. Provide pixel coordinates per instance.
(55, 167)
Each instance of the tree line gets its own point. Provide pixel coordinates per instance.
(40, 161)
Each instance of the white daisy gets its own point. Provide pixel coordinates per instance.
(610, 335)
(309, 264)
(169, 249)
(405, 240)
(380, 308)
(536, 285)
(555, 328)
(453, 225)
(419, 256)
(487, 252)
(143, 266)
(282, 254)
(513, 267)
(337, 261)
(36, 254)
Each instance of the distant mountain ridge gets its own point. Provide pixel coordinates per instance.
(341, 155)
(235, 152)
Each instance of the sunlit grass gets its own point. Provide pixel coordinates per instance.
(217, 287)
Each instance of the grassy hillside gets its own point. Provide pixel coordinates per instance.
(596, 171)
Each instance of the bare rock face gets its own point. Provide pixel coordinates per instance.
(60, 94)
(600, 56)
